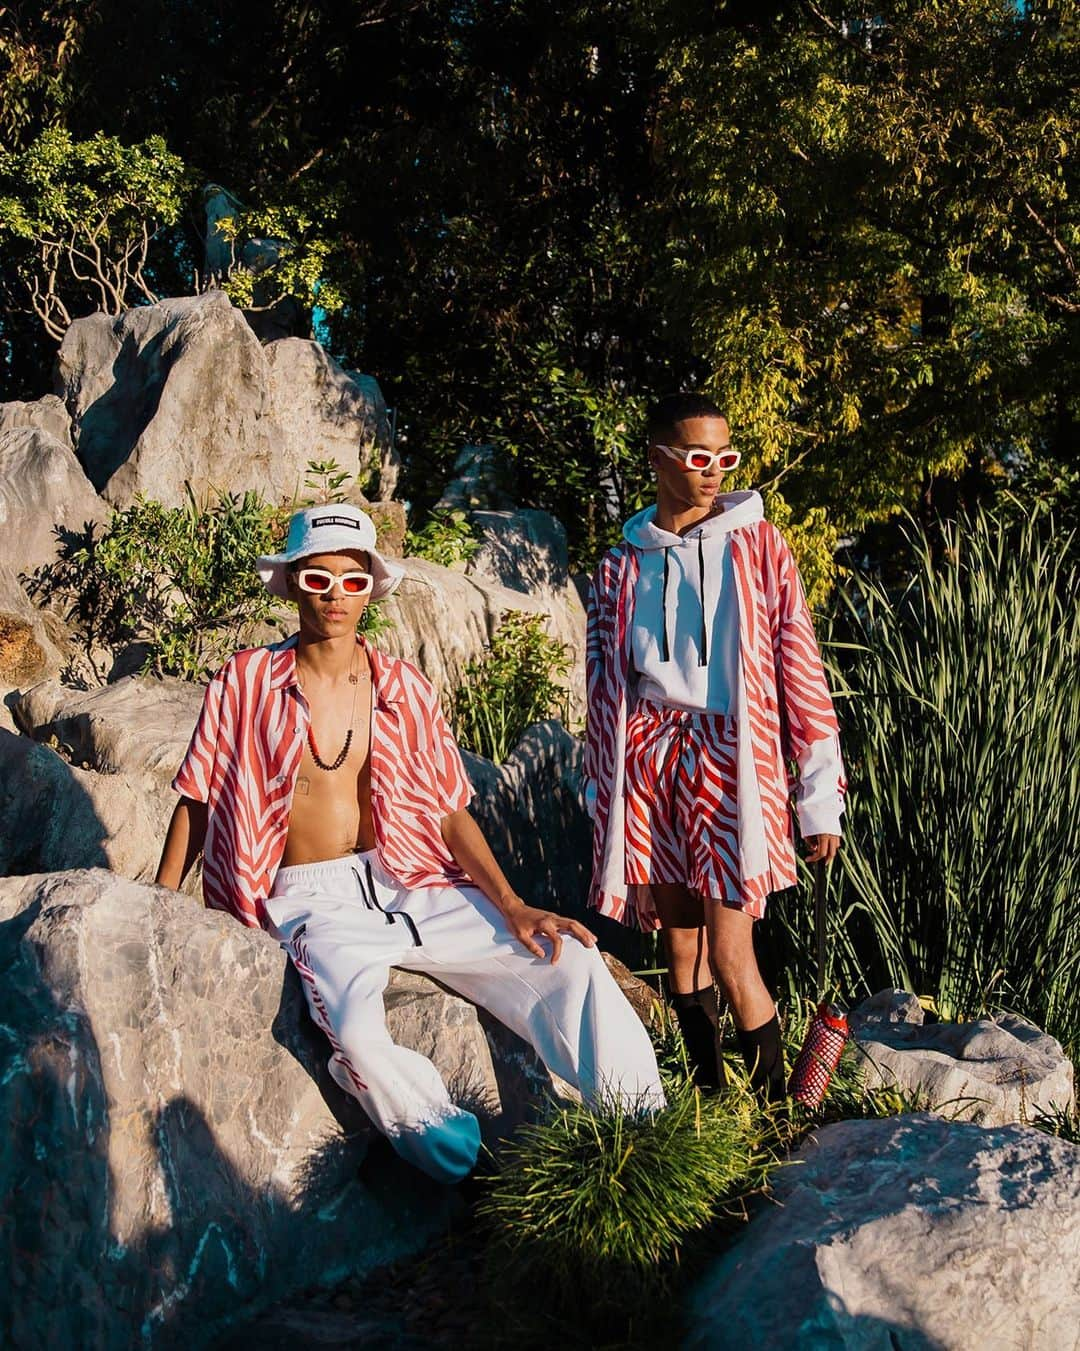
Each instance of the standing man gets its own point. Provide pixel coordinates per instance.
(704, 685)
(329, 800)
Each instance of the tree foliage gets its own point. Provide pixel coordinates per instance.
(83, 217)
(528, 218)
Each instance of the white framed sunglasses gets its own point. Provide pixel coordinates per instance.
(320, 581)
(703, 460)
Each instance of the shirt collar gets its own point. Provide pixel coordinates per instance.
(283, 669)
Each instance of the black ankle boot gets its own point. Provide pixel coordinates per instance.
(763, 1052)
(699, 1021)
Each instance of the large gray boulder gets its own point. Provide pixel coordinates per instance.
(327, 413)
(443, 620)
(47, 414)
(524, 550)
(183, 392)
(137, 726)
(908, 1234)
(992, 1070)
(42, 488)
(175, 1153)
(531, 811)
(56, 815)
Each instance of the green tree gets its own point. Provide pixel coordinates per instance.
(872, 234)
(81, 219)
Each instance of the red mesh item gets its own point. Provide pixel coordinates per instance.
(819, 1057)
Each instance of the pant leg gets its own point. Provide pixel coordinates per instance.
(343, 953)
(573, 1014)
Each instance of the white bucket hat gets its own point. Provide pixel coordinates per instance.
(329, 529)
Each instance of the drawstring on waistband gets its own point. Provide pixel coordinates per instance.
(371, 902)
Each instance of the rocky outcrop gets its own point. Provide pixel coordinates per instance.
(326, 413)
(992, 1070)
(42, 490)
(182, 391)
(137, 726)
(531, 811)
(444, 619)
(27, 650)
(46, 414)
(176, 1152)
(482, 479)
(910, 1233)
(524, 550)
(56, 815)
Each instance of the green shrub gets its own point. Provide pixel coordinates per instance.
(958, 878)
(180, 580)
(519, 680)
(446, 538)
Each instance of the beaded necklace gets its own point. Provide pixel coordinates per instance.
(354, 681)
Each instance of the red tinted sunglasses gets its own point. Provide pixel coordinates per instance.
(318, 581)
(702, 460)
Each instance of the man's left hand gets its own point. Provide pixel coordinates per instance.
(822, 848)
(527, 923)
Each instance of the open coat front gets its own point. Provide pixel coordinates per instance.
(782, 706)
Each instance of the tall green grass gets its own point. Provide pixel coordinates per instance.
(959, 702)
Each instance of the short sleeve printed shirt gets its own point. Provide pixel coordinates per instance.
(245, 755)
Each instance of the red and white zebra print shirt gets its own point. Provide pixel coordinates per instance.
(245, 755)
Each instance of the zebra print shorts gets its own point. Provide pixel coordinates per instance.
(682, 822)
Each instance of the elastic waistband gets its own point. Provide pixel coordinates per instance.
(723, 722)
(328, 867)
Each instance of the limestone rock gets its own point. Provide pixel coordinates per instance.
(138, 726)
(531, 813)
(993, 1070)
(481, 481)
(324, 412)
(389, 459)
(42, 487)
(47, 414)
(54, 815)
(904, 1235)
(27, 652)
(182, 391)
(524, 550)
(443, 619)
(177, 1155)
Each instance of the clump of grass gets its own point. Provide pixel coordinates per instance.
(612, 1193)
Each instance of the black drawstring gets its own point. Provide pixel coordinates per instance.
(703, 654)
(371, 900)
(665, 651)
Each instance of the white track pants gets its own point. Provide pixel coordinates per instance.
(346, 922)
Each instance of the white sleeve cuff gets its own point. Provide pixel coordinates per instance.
(819, 795)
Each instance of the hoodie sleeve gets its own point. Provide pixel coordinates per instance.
(808, 719)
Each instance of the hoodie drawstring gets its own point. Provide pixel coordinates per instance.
(665, 650)
(703, 651)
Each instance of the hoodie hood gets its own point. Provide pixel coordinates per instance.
(739, 509)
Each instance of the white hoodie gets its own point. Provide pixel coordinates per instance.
(685, 636)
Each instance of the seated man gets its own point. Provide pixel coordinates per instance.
(329, 799)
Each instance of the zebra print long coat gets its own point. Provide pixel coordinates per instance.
(782, 705)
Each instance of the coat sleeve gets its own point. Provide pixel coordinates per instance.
(194, 777)
(808, 719)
